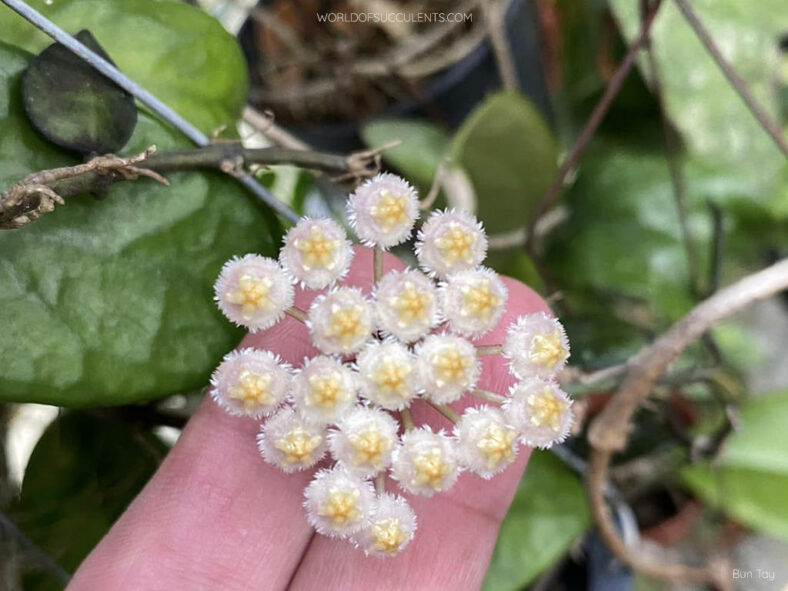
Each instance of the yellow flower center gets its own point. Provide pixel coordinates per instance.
(411, 305)
(369, 446)
(390, 211)
(546, 409)
(326, 390)
(496, 445)
(547, 351)
(251, 294)
(455, 244)
(387, 536)
(431, 468)
(346, 324)
(252, 389)
(479, 301)
(318, 250)
(298, 445)
(390, 378)
(340, 507)
(451, 366)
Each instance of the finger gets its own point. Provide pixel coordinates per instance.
(457, 529)
(215, 515)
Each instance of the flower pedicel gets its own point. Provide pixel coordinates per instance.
(379, 352)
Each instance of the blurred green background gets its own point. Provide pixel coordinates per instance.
(109, 332)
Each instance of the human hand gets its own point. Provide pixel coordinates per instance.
(215, 516)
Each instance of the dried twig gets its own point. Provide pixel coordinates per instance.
(608, 433)
(37, 193)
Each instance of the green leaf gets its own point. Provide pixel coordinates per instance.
(749, 480)
(718, 128)
(109, 302)
(623, 236)
(510, 156)
(548, 513)
(176, 51)
(417, 157)
(75, 106)
(82, 474)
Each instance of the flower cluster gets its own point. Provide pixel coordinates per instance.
(410, 339)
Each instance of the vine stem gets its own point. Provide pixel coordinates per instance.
(609, 431)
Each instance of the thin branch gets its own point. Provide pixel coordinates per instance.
(609, 431)
(597, 115)
(769, 125)
(575, 375)
(715, 574)
(38, 193)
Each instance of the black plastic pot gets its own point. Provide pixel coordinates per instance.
(455, 91)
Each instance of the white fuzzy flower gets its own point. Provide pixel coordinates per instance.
(407, 304)
(364, 440)
(341, 321)
(323, 389)
(316, 252)
(486, 442)
(425, 463)
(451, 241)
(391, 526)
(536, 345)
(250, 382)
(338, 503)
(448, 367)
(289, 443)
(383, 210)
(253, 291)
(540, 411)
(473, 301)
(387, 375)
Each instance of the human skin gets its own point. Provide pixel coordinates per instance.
(216, 516)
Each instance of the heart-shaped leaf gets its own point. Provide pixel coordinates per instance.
(75, 106)
(110, 302)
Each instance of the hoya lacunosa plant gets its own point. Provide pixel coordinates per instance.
(411, 337)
